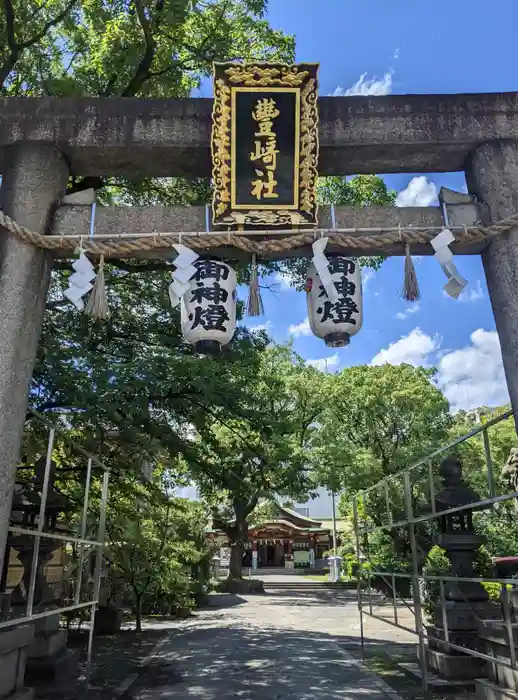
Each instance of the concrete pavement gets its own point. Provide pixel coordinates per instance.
(279, 646)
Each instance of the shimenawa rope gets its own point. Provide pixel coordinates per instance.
(125, 245)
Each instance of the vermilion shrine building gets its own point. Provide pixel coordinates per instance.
(289, 541)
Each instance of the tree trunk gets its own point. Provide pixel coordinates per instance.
(237, 533)
(138, 612)
(237, 550)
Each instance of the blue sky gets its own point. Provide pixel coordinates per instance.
(377, 47)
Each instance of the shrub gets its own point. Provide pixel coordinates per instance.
(350, 564)
(244, 586)
(493, 590)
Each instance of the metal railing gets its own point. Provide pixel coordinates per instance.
(95, 522)
(418, 482)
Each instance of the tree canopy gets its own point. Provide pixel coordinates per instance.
(147, 48)
(378, 420)
(266, 454)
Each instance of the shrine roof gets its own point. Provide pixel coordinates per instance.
(294, 515)
(288, 524)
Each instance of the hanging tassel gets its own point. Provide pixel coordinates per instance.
(254, 304)
(410, 284)
(97, 306)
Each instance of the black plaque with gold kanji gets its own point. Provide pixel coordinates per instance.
(265, 145)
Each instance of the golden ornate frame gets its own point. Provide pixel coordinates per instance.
(231, 77)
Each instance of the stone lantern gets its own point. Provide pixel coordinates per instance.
(465, 602)
(47, 652)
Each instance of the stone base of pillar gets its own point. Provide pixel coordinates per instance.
(463, 620)
(57, 667)
(454, 666)
(289, 564)
(494, 635)
(48, 658)
(13, 646)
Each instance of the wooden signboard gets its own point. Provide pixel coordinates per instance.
(264, 145)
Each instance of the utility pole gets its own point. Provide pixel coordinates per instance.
(333, 503)
(334, 568)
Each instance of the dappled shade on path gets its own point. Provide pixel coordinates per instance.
(266, 648)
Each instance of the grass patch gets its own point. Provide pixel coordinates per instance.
(385, 665)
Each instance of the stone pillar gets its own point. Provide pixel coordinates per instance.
(255, 563)
(34, 179)
(492, 175)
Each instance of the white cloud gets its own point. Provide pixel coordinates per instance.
(475, 293)
(396, 54)
(413, 349)
(469, 377)
(474, 376)
(419, 192)
(367, 86)
(300, 328)
(324, 363)
(401, 315)
(367, 275)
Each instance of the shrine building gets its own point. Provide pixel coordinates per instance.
(288, 541)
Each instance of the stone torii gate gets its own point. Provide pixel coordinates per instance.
(43, 141)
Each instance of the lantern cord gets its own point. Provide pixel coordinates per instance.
(411, 290)
(97, 306)
(254, 304)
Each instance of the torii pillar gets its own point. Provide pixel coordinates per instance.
(33, 180)
(492, 175)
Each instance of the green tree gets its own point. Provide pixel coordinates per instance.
(378, 420)
(268, 453)
(153, 543)
(116, 379)
(146, 48)
(358, 191)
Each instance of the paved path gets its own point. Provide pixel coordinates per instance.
(279, 646)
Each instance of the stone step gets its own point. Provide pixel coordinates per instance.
(436, 682)
(311, 584)
(307, 590)
(487, 690)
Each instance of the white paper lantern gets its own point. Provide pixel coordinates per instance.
(335, 321)
(208, 309)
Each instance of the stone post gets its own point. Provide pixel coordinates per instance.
(289, 562)
(312, 556)
(492, 175)
(33, 180)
